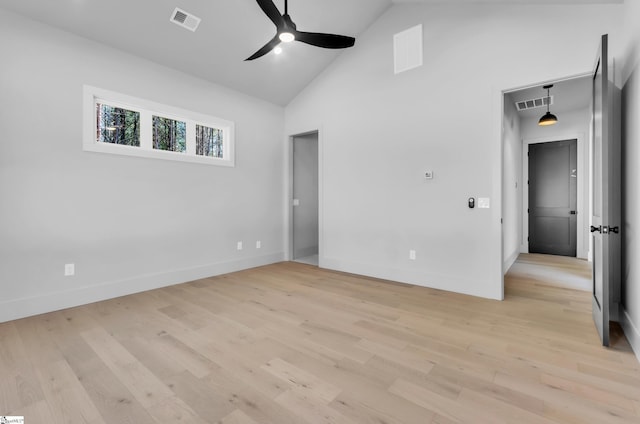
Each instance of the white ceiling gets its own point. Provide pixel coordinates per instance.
(230, 31)
(569, 95)
(513, 1)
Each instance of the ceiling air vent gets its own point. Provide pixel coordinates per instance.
(185, 19)
(534, 103)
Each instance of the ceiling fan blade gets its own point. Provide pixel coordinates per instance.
(265, 49)
(328, 41)
(272, 12)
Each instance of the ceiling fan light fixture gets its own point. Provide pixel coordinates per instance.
(286, 37)
(548, 118)
(287, 32)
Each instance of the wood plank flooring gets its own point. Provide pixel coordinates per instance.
(561, 271)
(289, 343)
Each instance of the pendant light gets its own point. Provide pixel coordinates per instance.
(548, 118)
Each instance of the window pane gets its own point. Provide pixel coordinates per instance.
(169, 134)
(208, 141)
(117, 126)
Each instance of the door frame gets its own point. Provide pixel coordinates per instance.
(288, 224)
(582, 205)
(500, 95)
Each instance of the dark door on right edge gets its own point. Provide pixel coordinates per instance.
(553, 196)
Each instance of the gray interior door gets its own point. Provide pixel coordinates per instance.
(606, 194)
(305, 196)
(553, 197)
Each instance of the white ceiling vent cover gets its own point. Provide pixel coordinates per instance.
(534, 103)
(407, 49)
(185, 19)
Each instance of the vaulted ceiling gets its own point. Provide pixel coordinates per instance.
(230, 31)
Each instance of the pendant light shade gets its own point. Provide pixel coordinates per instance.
(548, 118)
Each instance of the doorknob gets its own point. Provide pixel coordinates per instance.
(614, 230)
(598, 229)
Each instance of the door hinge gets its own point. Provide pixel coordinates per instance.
(528, 211)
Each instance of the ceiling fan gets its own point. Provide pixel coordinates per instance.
(287, 32)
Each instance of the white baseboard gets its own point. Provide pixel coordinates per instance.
(307, 251)
(631, 331)
(25, 307)
(413, 277)
(510, 261)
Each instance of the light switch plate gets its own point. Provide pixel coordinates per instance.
(484, 203)
(296, 202)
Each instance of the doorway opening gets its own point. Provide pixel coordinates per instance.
(305, 199)
(541, 228)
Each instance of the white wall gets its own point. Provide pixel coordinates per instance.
(381, 132)
(571, 125)
(128, 224)
(511, 184)
(630, 318)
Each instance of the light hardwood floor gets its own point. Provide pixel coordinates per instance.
(561, 271)
(291, 343)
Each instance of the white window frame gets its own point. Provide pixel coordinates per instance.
(147, 109)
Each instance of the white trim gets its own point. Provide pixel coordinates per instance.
(288, 219)
(20, 308)
(631, 332)
(147, 109)
(498, 175)
(508, 262)
(321, 135)
(416, 277)
(524, 248)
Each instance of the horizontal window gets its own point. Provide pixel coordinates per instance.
(120, 124)
(209, 141)
(117, 125)
(169, 134)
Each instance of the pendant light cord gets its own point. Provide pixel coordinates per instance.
(548, 99)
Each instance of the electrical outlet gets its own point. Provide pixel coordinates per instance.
(412, 255)
(239, 245)
(258, 244)
(69, 270)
